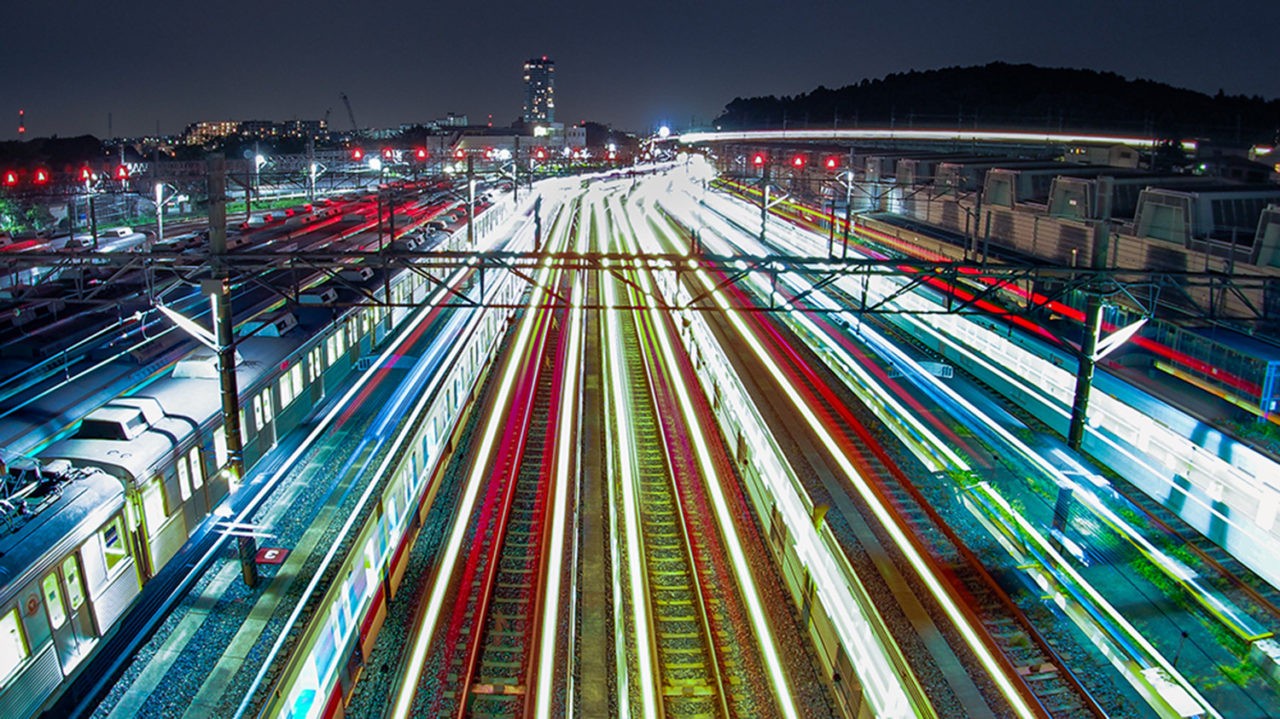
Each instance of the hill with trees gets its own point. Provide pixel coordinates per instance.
(1016, 97)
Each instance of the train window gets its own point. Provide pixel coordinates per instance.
(286, 389)
(315, 358)
(197, 469)
(295, 372)
(357, 583)
(75, 586)
(53, 600)
(220, 456)
(13, 646)
(337, 346)
(153, 504)
(184, 480)
(113, 546)
(268, 407)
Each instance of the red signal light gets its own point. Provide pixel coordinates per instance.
(613, 155)
(797, 161)
(388, 153)
(832, 163)
(10, 178)
(459, 154)
(41, 177)
(357, 154)
(420, 153)
(758, 159)
(122, 173)
(86, 174)
(540, 154)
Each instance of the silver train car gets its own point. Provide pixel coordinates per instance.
(68, 574)
(139, 475)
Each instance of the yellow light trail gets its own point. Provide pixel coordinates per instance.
(917, 561)
(451, 550)
(751, 596)
(627, 479)
(565, 443)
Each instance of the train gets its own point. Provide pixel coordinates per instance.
(318, 673)
(103, 510)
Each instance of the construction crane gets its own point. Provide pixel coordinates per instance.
(350, 113)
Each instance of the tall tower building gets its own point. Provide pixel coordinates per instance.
(540, 90)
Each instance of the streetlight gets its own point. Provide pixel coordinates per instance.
(258, 161)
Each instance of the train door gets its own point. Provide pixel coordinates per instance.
(263, 420)
(192, 487)
(69, 616)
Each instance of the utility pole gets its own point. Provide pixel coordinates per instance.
(471, 200)
(764, 200)
(93, 218)
(1092, 319)
(311, 168)
(515, 173)
(391, 238)
(219, 289)
(537, 224)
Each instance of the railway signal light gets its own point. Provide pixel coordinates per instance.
(459, 154)
(41, 177)
(357, 154)
(758, 159)
(388, 153)
(798, 162)
(833, 163)
(539, 154)
(86, 174)
(122, 173)
(10, 178)
(420, 154)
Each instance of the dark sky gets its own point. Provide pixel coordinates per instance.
(633, 65)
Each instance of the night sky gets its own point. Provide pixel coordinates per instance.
(70, 63)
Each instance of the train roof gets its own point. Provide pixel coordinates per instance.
(86, 501)
(187, 402)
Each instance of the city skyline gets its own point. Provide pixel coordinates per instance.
(633, 73)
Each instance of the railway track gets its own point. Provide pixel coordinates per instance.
(1027, 658)
(702, 638)
(1227, 572)
(483, 658)
(500, 675)
(692, 684)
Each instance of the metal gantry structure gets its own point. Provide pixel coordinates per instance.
(1008, 286)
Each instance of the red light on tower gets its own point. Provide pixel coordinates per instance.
(41, 177)
(758, 159)
(122, 173)
(10, 178)
(357, 154)
(832, 163)
(797, 162)
(420, 154)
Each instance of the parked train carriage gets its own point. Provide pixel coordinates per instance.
(68, 574)
(149, 467)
